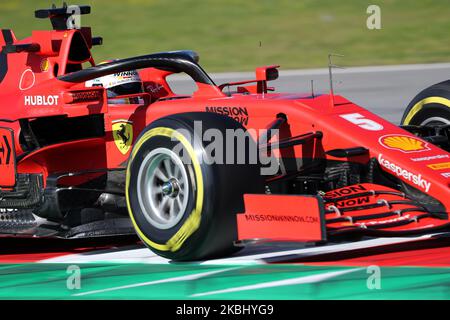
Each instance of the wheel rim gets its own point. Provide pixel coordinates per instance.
(163, 188)
(435, 121)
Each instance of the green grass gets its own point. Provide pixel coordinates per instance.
(236, 35)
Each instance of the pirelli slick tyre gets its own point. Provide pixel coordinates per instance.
(429, 107)
(182, 204)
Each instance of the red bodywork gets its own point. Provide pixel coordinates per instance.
(30, 89)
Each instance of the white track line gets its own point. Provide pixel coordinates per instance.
(144, 255)
(154, 282)
(287, 254)
(117, 255)
(279, 283)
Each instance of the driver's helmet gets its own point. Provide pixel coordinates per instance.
(119, 84)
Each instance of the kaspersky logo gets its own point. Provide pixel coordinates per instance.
(405, 174)
(403, 143)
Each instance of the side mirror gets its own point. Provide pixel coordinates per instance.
(267, 73)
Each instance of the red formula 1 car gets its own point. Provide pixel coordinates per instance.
(195, 174)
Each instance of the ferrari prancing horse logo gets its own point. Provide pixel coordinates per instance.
(123, 135)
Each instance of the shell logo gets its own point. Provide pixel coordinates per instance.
(403, 143)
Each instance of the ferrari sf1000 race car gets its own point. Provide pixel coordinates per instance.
(90, 150)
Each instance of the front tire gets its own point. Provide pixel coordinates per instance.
(430, 107)
(183, 205)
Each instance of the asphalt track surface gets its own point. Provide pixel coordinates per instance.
(122, 268)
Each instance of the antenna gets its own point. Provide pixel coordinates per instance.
(312, 88)
(330, 72)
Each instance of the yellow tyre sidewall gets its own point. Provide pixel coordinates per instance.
(192, 223)
(422, 104)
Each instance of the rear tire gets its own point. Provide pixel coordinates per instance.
(203, 222)
(430, 107)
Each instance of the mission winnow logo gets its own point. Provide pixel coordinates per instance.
(240, 114)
